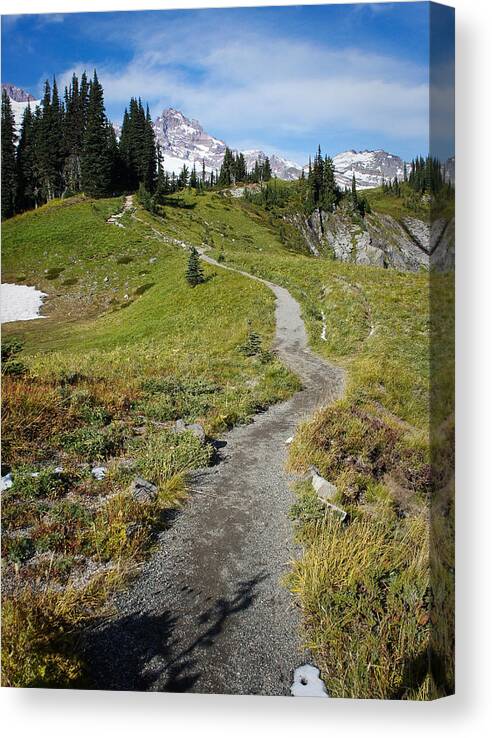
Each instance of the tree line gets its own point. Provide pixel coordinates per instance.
(234, 169)
(68, 145)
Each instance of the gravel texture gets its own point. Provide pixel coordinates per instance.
(208, 611)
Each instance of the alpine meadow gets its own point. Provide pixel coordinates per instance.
(228, 372)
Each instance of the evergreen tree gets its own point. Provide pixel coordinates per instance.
(194, 272)
(27, 189)
(193, 178)
(227, 170)
(267, 170)
(96, 163)
(150, 154)
(8, 158)
(183, 178)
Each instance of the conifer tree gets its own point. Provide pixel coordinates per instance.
(227, 170)
(267, 170)
(96, 163)
(194, 272)
(193, 178)
(27, 187)
(8, 158)
(183, 177)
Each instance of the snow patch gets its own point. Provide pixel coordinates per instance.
(20, 302)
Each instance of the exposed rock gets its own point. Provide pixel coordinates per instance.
(325, 490)
(6, 482)
(99, 472)
(180, 427)
(142, 490)
(152, 259)
(376, 240)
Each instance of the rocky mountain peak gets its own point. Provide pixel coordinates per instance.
(17, 94)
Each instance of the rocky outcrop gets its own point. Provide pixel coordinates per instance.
(379, 239)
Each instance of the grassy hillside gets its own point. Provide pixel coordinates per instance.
(126, 348)
(366, 588)
(127, 344)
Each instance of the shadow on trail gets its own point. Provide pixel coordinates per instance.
(138, 653)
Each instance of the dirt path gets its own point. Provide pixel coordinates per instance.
(208, 612)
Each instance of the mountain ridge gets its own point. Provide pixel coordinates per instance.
(184, 141)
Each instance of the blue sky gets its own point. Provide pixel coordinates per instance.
(282, 79)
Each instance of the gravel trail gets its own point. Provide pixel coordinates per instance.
(208, 612)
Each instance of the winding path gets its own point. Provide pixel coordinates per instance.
(208, 611)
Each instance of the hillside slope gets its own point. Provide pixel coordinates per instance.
(128, 348)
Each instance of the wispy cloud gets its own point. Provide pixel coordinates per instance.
(255, 82)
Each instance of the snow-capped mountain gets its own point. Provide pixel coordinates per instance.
(17, 94)
(183, 141)
(369, 167)
(281, 167)
(19, 100)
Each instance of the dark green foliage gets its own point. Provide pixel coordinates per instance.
(8, 158)
(11, 365)
(27, 194)
(11, 346)
(194, 271)
(66, 146)
(94, 443)
(321, 191)
(426, 175)
(138, 148)
(96, 162)
(252, 345)
(227, 174)
(146, 199)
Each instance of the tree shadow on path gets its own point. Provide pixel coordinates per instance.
(145, 650)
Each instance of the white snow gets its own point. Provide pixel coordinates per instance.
(323, 330)
(307, 682)
(20, 302)
(18, 110)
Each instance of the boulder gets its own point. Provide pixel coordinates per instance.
(99, 472)
(180, 427)
(197, 431)
(325, 490)
(142, 490)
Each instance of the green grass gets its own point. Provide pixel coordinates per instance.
(128, 345)
(126, 349)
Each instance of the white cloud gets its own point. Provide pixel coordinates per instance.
(249, 81)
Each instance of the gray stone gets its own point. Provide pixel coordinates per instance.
(197, 431)
(142, 490)
(180, 427)
(325, 490)
(99, 472)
